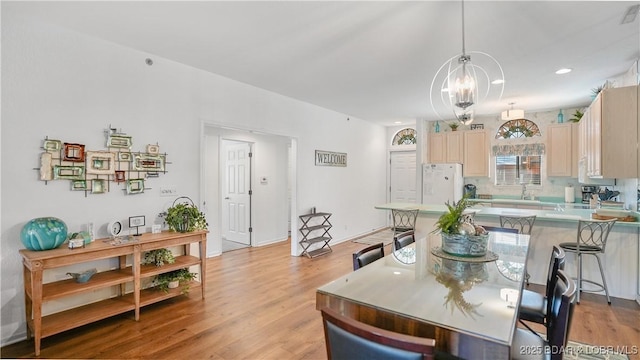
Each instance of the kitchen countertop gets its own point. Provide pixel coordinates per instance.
(564, 215)
(537, 202)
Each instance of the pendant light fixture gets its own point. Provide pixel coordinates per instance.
(463, 85)
(512, 114)
(462, 80)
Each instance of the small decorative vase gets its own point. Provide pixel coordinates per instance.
(44, 233)
(174, 284)
(437, 127)
(560, 117)
(465, 245)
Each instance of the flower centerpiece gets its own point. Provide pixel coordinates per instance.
(460, 236)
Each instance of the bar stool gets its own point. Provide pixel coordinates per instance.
(591, 240)
(404, 220)
(524, 225)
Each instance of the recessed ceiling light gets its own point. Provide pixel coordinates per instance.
(497, 81)
(398, 122)
(563, 71)
(445, 90)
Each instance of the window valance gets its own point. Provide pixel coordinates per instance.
(518, 150)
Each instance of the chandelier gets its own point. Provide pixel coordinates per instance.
(462, 85)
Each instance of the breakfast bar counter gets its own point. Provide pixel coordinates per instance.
(553, 227)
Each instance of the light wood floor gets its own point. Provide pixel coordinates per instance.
(260, 304)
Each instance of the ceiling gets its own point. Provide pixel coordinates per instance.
(371, 60)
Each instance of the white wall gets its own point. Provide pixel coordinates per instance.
(71, 87)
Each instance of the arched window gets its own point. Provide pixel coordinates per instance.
(518, 163)
(405, 137)
(517, 129)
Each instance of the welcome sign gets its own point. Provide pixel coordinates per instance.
(329, 158)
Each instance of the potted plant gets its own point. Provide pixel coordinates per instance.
(158, 257)
(185, 217)
(576, 116)
(596, 90)
(173, 279)
(460, 236)
(454, 126)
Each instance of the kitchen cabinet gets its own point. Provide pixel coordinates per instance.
(562, 150)
(127, 275)
(446, 147)
(609, 135)
(476, 153)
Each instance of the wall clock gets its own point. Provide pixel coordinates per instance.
(114, 228)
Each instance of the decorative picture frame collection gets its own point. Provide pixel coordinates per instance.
(93, 171)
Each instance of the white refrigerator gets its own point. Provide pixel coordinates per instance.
(441, 183)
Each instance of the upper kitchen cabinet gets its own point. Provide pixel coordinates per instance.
(609, 135)
(445, 147)
(562, 150)
(476, 153)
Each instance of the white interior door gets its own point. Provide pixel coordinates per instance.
(403, 176)
(236, 203)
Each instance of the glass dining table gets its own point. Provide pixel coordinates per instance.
(468, 305)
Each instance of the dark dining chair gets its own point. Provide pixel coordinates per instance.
(403, 239)
(347, 338)
(534, 306)
(562, 306)
(368, 255)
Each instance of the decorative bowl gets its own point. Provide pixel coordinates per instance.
(465, 245)
(83, 277)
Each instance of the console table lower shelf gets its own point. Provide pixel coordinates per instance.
(130, 271)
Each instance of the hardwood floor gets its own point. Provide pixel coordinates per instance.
(260, 304)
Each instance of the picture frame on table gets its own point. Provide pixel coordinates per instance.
(477, 126)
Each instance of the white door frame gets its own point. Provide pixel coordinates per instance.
(214, 243)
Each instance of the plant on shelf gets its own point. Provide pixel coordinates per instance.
(158, 257)
(454, 126)
(185, 217)
(596, 90)
(180, 276)
(576, 116)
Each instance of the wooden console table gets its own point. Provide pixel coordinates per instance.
(128, 272)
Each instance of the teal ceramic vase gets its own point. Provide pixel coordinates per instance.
(44, 233)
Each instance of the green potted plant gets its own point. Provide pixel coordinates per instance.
(454, 126)
(460, 236)
(173, 279)
(576, 116)
(596, 90)
(158, 257)
(185, 217)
